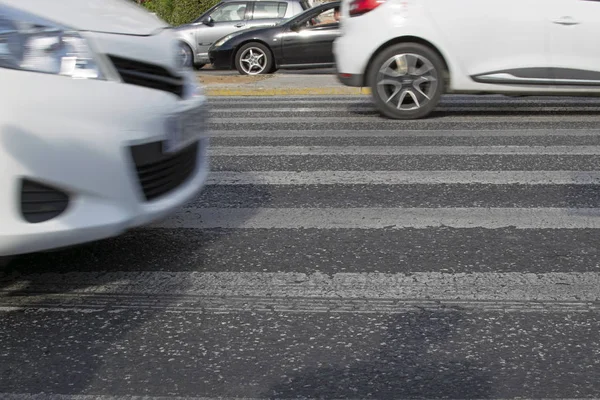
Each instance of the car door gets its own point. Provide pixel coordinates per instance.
(311, 41)
(574, 26)
(227, 18)
(268, 13)
(495, 41)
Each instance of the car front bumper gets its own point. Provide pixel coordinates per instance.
(99, 143)
(221, 58)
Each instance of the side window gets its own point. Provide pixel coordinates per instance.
(269, 9)
(326, 17)
(229, 12)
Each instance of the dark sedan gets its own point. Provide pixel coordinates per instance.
(303, 41)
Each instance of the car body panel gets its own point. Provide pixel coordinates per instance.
(79, 140)
(572, 26)
(303, 47)
(200, 36)
(110, 16)
(518, 48)
(309, 45)
(543, 48)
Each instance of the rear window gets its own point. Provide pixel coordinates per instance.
(269, 9)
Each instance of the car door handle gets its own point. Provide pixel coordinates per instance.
(566, 21)
(239, 25)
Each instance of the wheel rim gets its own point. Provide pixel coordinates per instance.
(407, 81)
(186, 54)
(253, 61)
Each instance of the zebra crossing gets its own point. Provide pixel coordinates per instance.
(337, 254)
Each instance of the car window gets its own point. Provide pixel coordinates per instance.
(326, 17)
(229, 12)
(305, 4)
(269, 9)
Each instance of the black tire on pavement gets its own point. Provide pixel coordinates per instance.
(4, 261)
(199, 66)
(381, 93)
(259, 47)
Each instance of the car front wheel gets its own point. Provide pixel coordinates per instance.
(406, 81)
(253, 59)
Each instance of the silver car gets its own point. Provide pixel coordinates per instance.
(230, 16)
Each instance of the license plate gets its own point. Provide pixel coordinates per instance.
(185, 128)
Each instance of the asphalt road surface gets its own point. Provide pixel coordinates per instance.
(337, 254)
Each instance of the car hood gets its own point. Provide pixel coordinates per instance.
(109, 16)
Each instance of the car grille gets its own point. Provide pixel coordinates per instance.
(148, 75)
(40, 203)
(160, 173)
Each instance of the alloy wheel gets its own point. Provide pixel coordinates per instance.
(253, 61)
(187, 58)
(407, 81)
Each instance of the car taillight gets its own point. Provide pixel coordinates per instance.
(360, 7)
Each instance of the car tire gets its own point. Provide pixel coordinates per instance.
(254, 59)
(4, 261)
(188, 52)
(199, 66)
(411, 89)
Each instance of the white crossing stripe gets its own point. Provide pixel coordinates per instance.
(380, 218)
(404, 177)
(43, 396)
(472, 133)
(38, 396)
(558, 117)
(473, 100)
(400, 150)
(522, 109)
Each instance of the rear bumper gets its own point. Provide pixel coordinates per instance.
(354, 80)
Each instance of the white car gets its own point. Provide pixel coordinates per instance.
(101, 127)
(410, 52)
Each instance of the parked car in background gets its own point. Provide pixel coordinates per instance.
(116, 140)
(303, 41)
(231, 16)
(411, 52)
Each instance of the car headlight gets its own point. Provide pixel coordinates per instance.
(220, 42)
(31, 43)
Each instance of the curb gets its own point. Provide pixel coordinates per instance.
(302, 91)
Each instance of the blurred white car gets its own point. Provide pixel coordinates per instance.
(101, 127)
(416, 50)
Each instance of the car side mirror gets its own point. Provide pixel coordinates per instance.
(296, 27)
(208, 21)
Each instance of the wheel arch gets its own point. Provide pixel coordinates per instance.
(187, 43)
(407, 39)
(237, 48)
